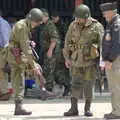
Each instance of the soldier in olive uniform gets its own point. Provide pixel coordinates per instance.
(80, 51)
(20, 56)
(62, 76)
(50, 44)
(111, 55)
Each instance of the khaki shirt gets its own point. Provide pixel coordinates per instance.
(79, 40)
(20, 38)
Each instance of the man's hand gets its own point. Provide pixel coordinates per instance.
(33, 44)
(68, 64)
(49, 53)
(108, 65)
(37, 72)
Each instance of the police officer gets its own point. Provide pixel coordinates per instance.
(50, 42)
(20, 55)
(80, 52)
(111, 55)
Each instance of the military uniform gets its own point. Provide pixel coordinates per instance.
(62, 75)
(48, 33)
(20, 56)
(20, 39)
(80, 50)
(111, 53)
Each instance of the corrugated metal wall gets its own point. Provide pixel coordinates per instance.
(14, 7)
(65, 7)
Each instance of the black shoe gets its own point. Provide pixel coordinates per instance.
(88, 114)
(111, 116)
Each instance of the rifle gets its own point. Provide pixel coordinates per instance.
(100, 77)
(41, 77)
(34, 52)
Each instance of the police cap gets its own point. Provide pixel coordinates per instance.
(108, 6)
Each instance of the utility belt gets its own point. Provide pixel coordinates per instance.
(84, 54)
(82, 46)
(89, 51)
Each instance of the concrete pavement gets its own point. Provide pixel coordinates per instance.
(54, 109)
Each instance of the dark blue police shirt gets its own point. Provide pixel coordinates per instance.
(111, 40)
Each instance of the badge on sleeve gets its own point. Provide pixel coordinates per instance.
(108, 37)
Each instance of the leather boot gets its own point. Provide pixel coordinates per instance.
(19, 110)
(87, 108)
(73, 111)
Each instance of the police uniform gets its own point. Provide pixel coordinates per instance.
(79, 50)
(111, 53)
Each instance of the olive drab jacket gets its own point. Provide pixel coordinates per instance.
(81, 43)
(20, 41)
(49, 32)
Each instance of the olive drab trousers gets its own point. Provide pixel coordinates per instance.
(18, 80)
(83, 80)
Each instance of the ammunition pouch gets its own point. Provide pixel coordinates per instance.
(83, 54)
(90, 53)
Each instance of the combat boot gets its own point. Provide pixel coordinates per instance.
(19, 110)
(87, 108)
(73, 111)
